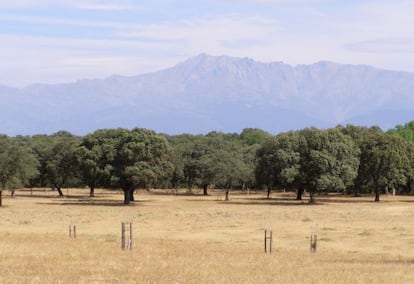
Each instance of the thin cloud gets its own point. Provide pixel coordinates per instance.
(283, 1)
(396, 45)
(213, 29)
(106, 6)
(77, 4)
(60, 21)
(352, 33)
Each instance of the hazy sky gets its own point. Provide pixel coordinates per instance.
(54, 41)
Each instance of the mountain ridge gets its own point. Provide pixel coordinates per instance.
(221, 93)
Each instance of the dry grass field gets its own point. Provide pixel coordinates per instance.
(197, 239)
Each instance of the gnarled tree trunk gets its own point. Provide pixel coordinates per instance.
(227, 195)
(356, 191)
(376, 191)
(205, 187)
(59, 191)
(312, 199)
(131, 197)
(127, 196)
(92, 191)
(377, 194)
(299, 193)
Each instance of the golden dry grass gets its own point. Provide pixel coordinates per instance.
(197, 239)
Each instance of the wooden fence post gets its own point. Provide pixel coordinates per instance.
(268, 238)
(126, 244)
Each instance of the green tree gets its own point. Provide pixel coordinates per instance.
(40, 145)
(328, 160)
(359, 134)
(141, 159)
(309, 159)
(252, 136)
(228, 169)
(214, 159)
(278, 162)
(95, 156)
(386, 162)
(182, 146)
(405, 131)
(60, 160)
(17, 164)
(247, 169)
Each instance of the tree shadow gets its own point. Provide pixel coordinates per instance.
(174, 193)
(366, 198)
(95, 202)
(290, 200)
(202, 200)
(399, 200)
(273, 202)
(49, 196)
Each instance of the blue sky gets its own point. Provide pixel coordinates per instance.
(53, 41)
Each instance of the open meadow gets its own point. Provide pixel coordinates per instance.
(203, 239)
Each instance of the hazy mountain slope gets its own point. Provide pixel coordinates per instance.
(208, 93)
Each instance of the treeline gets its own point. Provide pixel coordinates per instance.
(350, 160)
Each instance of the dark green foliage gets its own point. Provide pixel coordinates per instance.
(278, 161)
(386, 162)
(252, 136)
(216, 159)
(312, 159)
(329, 160)
(141, 159)
(60, 159)
(95, 155)
(406, 132)
(343, 159)
(17, 163)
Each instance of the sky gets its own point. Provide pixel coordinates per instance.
(55, 41)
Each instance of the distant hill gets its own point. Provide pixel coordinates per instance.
(219, 93)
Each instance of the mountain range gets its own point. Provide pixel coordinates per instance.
(221, 93)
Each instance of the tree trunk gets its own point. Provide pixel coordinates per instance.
(92, 191)
(205, 187)
(299, 193)
(376, 191)
(269, 190)
(312, 199)
(356, 191)
(377, 194)
(59, 191)
(0, 198)
(227, 195)
(131, 196)
(127, 196)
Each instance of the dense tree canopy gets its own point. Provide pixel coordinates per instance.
(343, 159)
(278, 162)
(17, 163)
(386, 162)
(311, 159)
(95, 156)
(60, 160)
(141, 159)
(216, 159)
